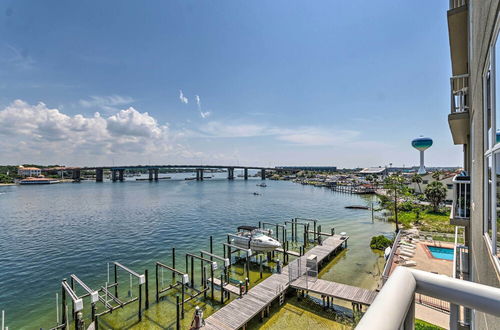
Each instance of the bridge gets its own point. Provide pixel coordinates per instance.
(117, 172)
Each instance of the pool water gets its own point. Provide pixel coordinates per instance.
(441, 253)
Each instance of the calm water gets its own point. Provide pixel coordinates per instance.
(48, 232)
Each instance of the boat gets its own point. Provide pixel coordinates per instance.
(189, 178)
(263, 185)
(357, 207)
(39, 180)
(255, 239)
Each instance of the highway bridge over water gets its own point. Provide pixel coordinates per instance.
(118, 172)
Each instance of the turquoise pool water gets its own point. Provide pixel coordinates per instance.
(441, 253)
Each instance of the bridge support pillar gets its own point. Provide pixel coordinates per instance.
(120, 174)
(75, 175)
(99, 174)
(263, 174)
(230, 173)
(113, 175)
(245, 175)
(197, 174)
(150, 174)
(201, 174)
(156, 171)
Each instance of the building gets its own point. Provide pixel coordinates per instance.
(446, 179)
(28, 171)
(474, 121)
(379, 171)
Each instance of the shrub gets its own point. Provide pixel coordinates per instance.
(380, 242)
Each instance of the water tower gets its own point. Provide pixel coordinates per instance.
(421, 144)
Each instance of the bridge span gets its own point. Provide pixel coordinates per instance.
(118, 172)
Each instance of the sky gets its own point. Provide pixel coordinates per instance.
(268, 83)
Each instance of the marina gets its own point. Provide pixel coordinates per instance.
(135, 247)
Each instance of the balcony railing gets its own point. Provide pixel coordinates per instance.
(459, 93)
(457, 3)
(460, 211)
(399, 294)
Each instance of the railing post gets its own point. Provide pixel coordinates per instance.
(409, 322)
(453, 316)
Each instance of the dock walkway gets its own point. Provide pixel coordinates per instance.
(336, 290)
(240, 311)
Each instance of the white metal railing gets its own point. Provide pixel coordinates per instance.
(459, 93)
(399, 294)
(457, 3)
(388, 262)
(461, 198)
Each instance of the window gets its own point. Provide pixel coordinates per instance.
(491, 93)
(449, 186)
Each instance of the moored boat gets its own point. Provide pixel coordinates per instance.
(255, 239)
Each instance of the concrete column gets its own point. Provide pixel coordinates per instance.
(156, 171)
(76, 175)
(99, 174)
(263, 174)
(150, 174)
(201, 174)
(197, 174)
(246, 173)
(120, 174)
(113, 175)
(230, 173)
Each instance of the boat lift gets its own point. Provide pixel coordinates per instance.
(203, 261)
(94, 295)
(77, 305)
(262, 224)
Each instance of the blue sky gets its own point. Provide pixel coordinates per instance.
(346, 83)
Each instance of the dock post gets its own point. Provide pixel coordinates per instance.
(211, 247)
(260, 266)
(173, 264)
(241, 289)
(140, 302)
(284, 235)
(147, 288)
(63, 305)
(319, 235)
(248, 266)
(305, 236)
(157, 293)
(222, 289)
(247, 282)
(323, 300)
(204, 279)
(116, 282)
(182, 302)
(332, 230)
(177, 320)
(212, 280)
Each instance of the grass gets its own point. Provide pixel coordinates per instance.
(422, 325)
(427, 221)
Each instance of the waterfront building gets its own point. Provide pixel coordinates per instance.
(474, 120)
(310, 168)
(28, 171)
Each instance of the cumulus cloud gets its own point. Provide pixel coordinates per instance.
(107, 103)
(39, 129)
(183, 98)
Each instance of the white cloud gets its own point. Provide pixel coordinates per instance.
(198, 101)
(107, 103)
(28, 130)
(203, 114)
(182, 97)
(309, 136)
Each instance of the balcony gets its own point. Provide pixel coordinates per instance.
(399, 293)
(458, 35)
(460, 209)
(458, 119)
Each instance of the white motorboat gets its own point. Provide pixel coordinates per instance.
(255, 239)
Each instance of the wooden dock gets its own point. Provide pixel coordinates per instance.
(240, 311)
(227, 286)
(290, 252)
(336, 290)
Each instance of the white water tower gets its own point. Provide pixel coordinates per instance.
(421, 144)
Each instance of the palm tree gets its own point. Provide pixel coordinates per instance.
(436, 175)
(417, 178)
(435, 193)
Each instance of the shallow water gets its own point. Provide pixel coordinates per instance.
(49, 232)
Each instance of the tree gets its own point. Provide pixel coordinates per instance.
(396, 185)
(417, 178)
(437, 175)
(435, 193)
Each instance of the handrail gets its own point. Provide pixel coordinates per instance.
(388, 263)
(399, 293)
(459, 90)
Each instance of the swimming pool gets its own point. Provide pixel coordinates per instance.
(441, 253)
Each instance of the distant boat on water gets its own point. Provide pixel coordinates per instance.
(358, 207)
(263, 185)
(41, 180)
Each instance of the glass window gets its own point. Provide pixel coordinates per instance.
(488, 109)
(496, 225)
(489, 186)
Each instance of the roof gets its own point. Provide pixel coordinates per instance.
(372, 170)
(29, 168)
